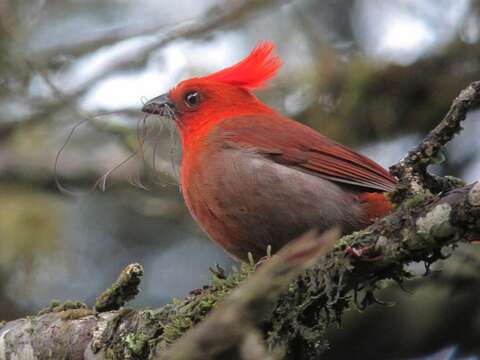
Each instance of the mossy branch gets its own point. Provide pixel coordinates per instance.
(122, 290)
(231, 331)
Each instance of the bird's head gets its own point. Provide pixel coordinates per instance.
(196, 103)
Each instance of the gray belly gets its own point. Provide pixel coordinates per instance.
(246, 202)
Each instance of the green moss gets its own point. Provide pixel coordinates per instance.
(183, 315)
(136, 343)
(54, 303)
(74, 314)
(152, 331)
(2, 323)
(349, 240)
(71, 304)
(416, 199)
(124, 289)
(57, 306)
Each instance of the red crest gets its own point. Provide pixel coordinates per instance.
(252, 72)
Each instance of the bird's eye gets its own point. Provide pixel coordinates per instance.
(192, 98)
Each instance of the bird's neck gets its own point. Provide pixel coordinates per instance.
(197, 127)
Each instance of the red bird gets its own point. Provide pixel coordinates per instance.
(252, 177)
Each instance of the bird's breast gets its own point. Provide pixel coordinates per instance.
(246, 202)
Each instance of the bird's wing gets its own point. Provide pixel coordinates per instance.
(292, 144)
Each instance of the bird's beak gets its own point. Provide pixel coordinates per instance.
(161, 105)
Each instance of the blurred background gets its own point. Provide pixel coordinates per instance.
(373, 74)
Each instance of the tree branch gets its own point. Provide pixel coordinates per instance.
(122, 290)
(416, 233)
(249, 305)
(412, 169)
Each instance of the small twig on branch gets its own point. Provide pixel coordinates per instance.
(122, 290)
(412, 169)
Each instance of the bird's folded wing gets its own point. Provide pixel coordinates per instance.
(292, 144)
